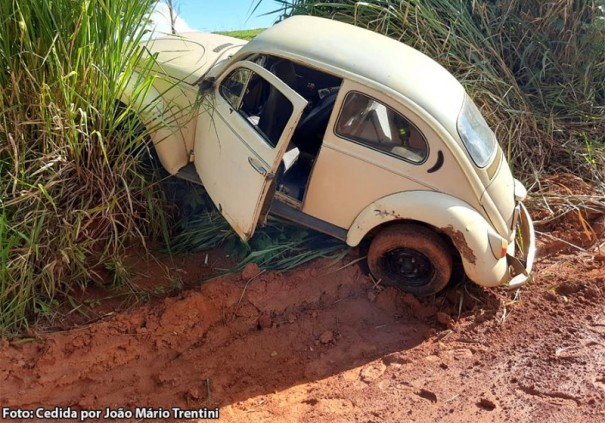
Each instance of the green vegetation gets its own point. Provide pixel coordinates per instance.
(72, 196)
(246, 34)
(537, 69)
(278, 245)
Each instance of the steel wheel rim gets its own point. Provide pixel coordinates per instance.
(409, 267)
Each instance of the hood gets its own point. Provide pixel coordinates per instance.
(189, 56)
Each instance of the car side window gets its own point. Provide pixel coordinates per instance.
(369, 122)
(262, 105)
(233, 86)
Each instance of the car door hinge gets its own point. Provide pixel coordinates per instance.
(191, 156)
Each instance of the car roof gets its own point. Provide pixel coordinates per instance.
(368, 57)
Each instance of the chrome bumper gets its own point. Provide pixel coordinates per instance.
(520, 268)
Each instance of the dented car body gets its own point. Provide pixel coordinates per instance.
(347, 132)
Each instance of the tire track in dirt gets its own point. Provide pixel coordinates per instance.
(322, 344)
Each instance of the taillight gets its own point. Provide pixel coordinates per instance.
(498, 245)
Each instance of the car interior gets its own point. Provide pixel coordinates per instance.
(320, 90)
(363, 119)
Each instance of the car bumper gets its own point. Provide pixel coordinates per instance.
(520, 265)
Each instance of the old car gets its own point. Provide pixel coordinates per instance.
(349, 133)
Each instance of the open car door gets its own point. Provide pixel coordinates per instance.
(241, 138)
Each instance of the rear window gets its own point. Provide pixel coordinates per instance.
(478, 138)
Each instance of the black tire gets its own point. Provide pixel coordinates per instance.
(411, 257)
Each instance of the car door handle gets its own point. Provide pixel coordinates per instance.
(257, 165)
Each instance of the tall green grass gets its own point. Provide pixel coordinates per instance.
(72, 193)
(536, 68)
(277, 245)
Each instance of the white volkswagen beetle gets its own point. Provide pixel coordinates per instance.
(347, 132)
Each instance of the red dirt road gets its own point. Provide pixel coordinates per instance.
(323, 344)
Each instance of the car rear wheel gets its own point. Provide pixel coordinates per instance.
(411, 257)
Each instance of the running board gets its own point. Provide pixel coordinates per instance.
(290, 213)
(278, 208)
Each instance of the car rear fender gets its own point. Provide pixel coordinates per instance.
(468, 231)
(145, 100)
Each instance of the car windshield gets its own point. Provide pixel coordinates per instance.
(477, 137)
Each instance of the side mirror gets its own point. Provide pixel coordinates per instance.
(207, 85)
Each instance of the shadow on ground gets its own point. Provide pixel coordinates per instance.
(232, 339)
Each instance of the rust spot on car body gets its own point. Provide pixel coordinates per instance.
(386, 214)
(459, 241)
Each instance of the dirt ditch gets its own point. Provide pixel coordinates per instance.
(324, 343)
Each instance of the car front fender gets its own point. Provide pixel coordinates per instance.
(147, 103)
(464, 226)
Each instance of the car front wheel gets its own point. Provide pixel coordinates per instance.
(411, 257)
